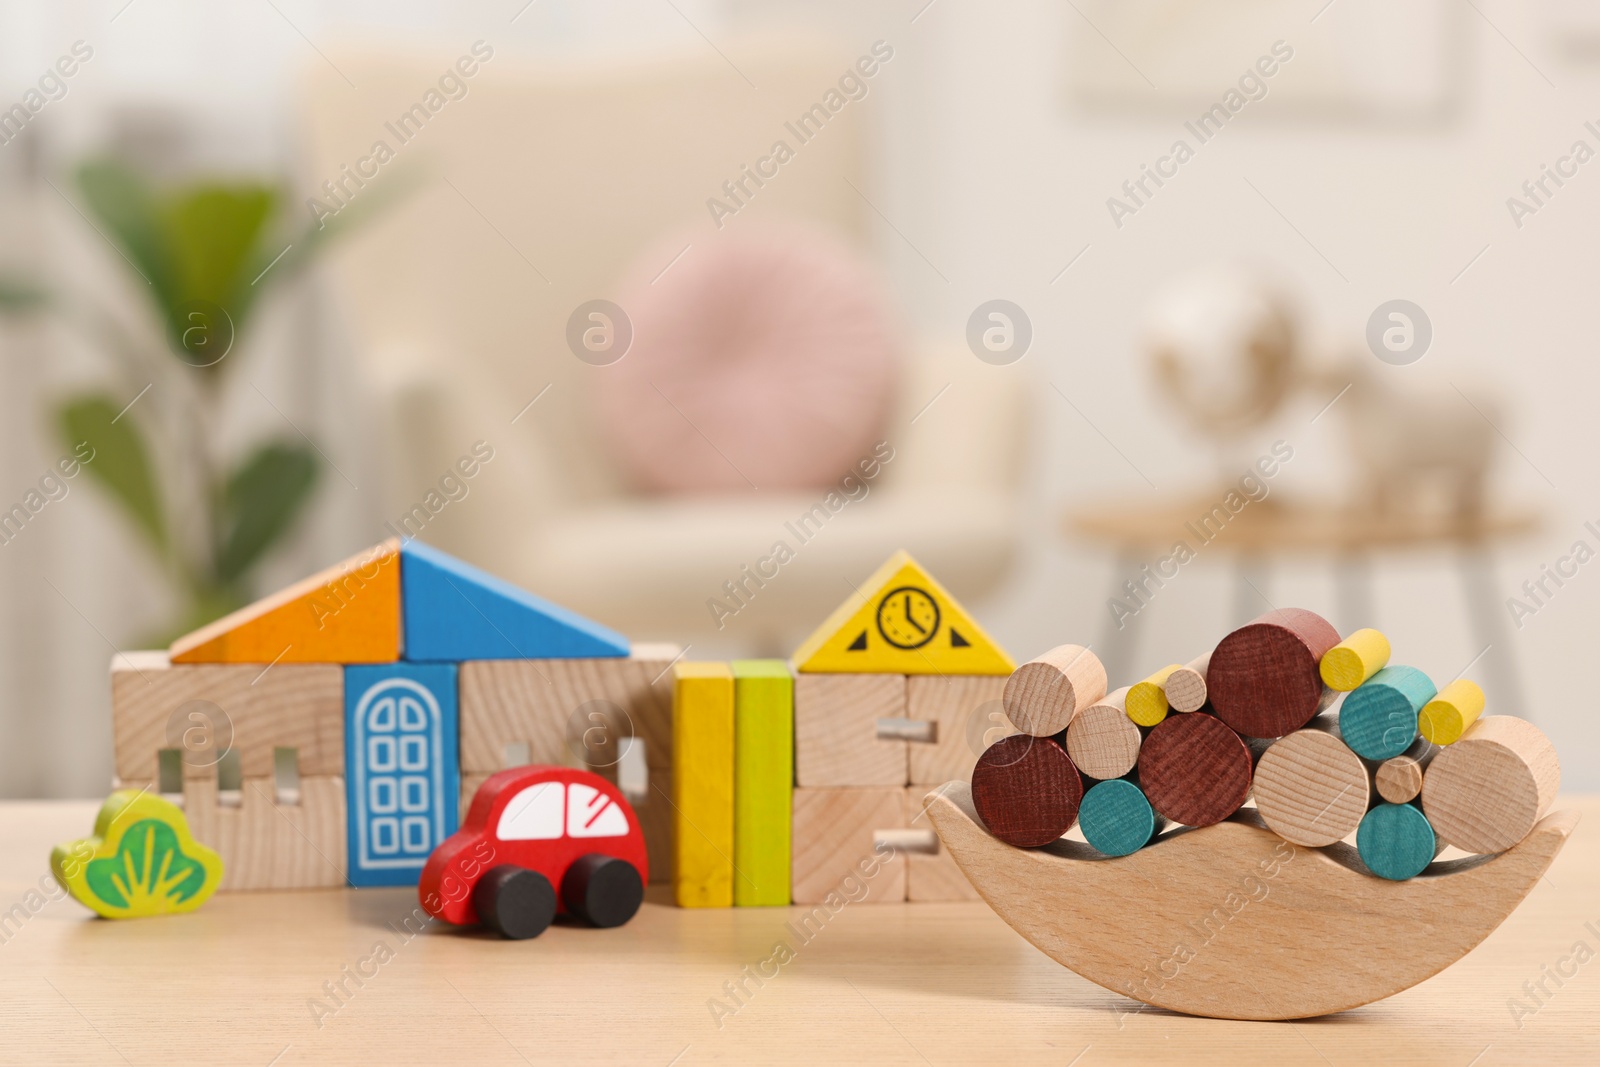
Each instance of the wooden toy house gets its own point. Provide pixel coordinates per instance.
(332, 733)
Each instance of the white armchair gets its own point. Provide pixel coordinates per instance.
(549, 182)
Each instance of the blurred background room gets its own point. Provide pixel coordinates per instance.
(613, 298)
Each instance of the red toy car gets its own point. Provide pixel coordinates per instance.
(538, 842)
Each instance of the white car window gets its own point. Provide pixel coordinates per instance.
(590, 813)
(533, 814)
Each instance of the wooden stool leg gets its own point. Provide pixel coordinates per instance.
(1491, 632)
(1352, 577)
(1118, 644)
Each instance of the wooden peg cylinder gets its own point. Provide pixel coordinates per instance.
(1195, 770)
(1026, 790)
(1484, 793)
(1042, 696)
(1147, 700)
(1310, 788)
(1186, 686)
(1396, 841)
(1116, 817)
(1263, 679)
(1399, 780)
(1379, 719)
(1102, 741)
(1446, 717)
(1354, 660)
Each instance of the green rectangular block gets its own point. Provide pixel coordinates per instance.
(763, 780)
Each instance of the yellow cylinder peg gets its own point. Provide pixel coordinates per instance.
(1446, 717)
(1147, 700)
(1353, 661)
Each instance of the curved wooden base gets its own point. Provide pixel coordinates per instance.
(1233, 922)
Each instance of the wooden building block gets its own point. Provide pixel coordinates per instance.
(1310, 788)
(837, 848)
(1354, 660)
(932, 873)
(901, 621)
(763, 780)
(837, 740)
(1116, 817)
(702, 784)
(141, 860)
(1446, 717)
(1195, 770)
(1186, 686)
(401, 767)
(1043, 695)
(205, 709)
(298, 843)
(1026, 790)
(1485, 792)
(349, 613)
(566, 711)
(1396, 842)
(1399, 780)
(1102, 741)
(966, 716)
(1379, 719)
(455, 612)
(1263, 678)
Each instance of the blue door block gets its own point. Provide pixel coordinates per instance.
(454, 611)
(402, 774)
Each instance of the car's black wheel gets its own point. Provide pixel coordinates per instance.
(514, 901)
(602, 890)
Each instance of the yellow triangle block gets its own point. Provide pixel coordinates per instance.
(349, 613)
(901, 622)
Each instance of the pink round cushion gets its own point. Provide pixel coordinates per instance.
(765, 358)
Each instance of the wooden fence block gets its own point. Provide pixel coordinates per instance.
(763, 780)
(1102, 741)
(702, 784)
(931, 871)
(1379, 719)
(1353, 661)
(1026, 790)
(836, 845)
(349, 613)
(837, 741)
(568, 712)
(1310, 788)
(1263, 678)
(1195, 770)
(967, 717)
(265, 844)
(1446, 717)
(1043, 695)
(1186, 686)
(203, 709)
(1484, 793)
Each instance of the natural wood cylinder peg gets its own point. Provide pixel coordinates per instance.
(1102, 741)
(1310, 788)
(1043, 695)
(1186, 686)
(1484, 793)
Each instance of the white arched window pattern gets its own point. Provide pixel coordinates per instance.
(533, 814)
(590, 813)
(399, 767)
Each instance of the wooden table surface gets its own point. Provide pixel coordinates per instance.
(237, 983)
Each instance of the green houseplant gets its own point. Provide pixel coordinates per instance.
(204, 253)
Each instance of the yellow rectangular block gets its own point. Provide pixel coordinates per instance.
(702, 784)
(763, 780)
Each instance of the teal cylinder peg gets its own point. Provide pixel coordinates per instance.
(1378, 719)
(1396, 841)
(1116, 818)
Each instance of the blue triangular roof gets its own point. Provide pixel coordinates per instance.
(454, 611)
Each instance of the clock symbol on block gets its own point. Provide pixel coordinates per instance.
(908, 617)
